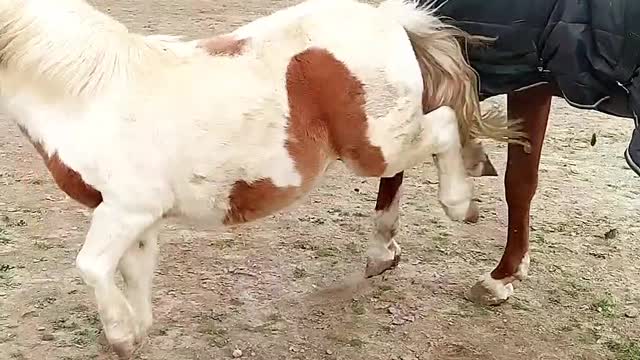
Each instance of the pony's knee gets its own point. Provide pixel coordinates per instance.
(92, 271)
(442, 126)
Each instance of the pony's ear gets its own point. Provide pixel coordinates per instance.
(226, 44)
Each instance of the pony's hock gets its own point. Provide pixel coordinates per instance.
(250, 123)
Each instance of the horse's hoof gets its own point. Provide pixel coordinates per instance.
(377, 267)
(473, 213)
(123, 349)
(465, 211)
(127, 350)
(489, 291)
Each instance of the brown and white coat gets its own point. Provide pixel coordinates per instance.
(231, 129)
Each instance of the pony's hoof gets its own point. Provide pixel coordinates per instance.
(124, 349)
(466, 211)
(489, 291)
(473, 213)
(377, 267)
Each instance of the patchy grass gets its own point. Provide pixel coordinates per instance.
(65, 324)
(538, 238)
(85, 337)
(381, 289)
(5, 237)
(358, 307)
(304, 244)
(274, 317)
(472, 310)
(7, 276)
(353, 248)
(346, 340)
(42, 245)
(575, 287)
(17, 355)
(274, 324)
(625, 350)
(520, 305)
(216, 334)
(325, 252)
(607, 306)
(299, 273)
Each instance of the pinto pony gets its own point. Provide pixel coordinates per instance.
(226, 131)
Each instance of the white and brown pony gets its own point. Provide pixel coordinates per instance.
(232, 129)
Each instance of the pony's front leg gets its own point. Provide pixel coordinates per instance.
(112, 232)
(137, 267)
(384, 252)
(455, 190)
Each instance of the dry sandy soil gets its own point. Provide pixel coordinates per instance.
(287, 287)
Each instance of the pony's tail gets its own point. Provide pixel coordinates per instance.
(448, 77)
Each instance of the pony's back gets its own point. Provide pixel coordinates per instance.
(65, 46)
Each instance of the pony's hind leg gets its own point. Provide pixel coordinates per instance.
(137, 267)
(112, 232)
(384, 252)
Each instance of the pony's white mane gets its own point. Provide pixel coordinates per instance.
(69, 46)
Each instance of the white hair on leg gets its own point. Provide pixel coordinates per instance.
(112, 232)
(455, 190)
(137, 267)
(384, 252)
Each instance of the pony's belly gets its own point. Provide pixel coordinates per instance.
(252, 201)
(67, 179)
(71, 182)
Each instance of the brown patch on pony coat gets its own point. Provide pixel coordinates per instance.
(327, 122)
(387, 191)
(223, 45)
(67, 179)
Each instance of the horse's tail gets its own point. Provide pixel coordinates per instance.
(448, 77)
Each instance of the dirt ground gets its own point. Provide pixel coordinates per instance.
(287, 287)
